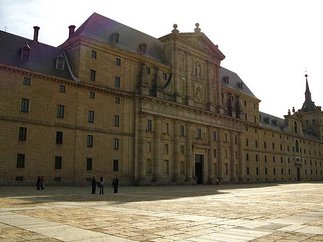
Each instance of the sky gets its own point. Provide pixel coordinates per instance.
(270, 44)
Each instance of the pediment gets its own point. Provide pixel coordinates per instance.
(203, 43)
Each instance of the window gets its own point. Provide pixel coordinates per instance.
(166, 166)
(24, 105)
(256, 157)
(265, 145)
(118, 62)
(182, 130)
(116, 120)
(236, 139)
(247, 170)
(164, 76)
(214, 136)
(93, 54)
(19, 178)
(214, 153)
(59, 137)
(25, 53)
(247, 142)
(61, 88)
(117, 100)
(90, 117)
(22, 133)
(225, 138)
(256, 143)
(149, 125)
(60, 111)
(147, 70)
(115, 165)
(247, 156)
(89, 164)
(149, 147)
(20, 160)
(273, 145)
(166, 128)
(115, 37)
(92, 95)
(58, 162)
(182, 149)
(26, 81)
(89, 141)
(166, 148)
(92, 75)
(117, 82)
(115, 143)
(199, 133)
(60, 62)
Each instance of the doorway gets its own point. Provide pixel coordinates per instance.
(199, 168)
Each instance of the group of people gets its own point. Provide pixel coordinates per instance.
(100, 184)
(40, 184)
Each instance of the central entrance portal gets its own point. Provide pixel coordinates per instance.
(199, 168)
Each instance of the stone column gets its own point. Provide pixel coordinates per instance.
(218, 91)
(156, 160)
(176, 151)
(189, 155)
(241, 164)
(232, 163)
(210, 157)
(188, 80)
(220, 154)
(141, 147)
(210, 87)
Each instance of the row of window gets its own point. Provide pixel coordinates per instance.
(22, 136)
(58, 163)
(281, 171)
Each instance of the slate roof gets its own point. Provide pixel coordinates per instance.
(101, 28)
(234, 82)
(270, 121)
(42, 56)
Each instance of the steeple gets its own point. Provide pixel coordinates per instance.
(308, 105)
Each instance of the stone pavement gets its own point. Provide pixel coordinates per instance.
(256, 212)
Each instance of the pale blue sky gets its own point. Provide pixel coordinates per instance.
(268, 43)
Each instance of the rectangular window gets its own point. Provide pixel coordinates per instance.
(147, 70)
(115, 143)
(182, 149)
(166, 128)
(92, 95)
(149, 125)
(149, 147)
(256, 143)
(60, 111)
(247, 142)
(20, 160)
(22, 134)
(61, 88)
(58, 162)
(214, 153)
(265, 145)
(24, 105)
(118, 62)
(59, 137)
(236, 139)
(199, 133)
(225, 138)
(115, 165)
(116, 120)
(26, 81)
(182, 130)
(117, 100)
(89, 141)
(166, 166)
(165, 76)
(214, 136)
(89, 164)
(166, 148)
(93, 54)
(92, 75)
(90, 117)
(117, 82)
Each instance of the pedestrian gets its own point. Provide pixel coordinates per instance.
(101, 185)
(217, 181)
(115, 184)
(42, 183)
(93, 185)
(38, 183)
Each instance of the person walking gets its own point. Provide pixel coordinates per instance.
(42, 183)
(115, 184)
(38, 183)
(101, 185)
(93, 185)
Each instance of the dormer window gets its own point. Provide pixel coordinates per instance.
(115, 38)
(60, 62)
(240, 85)
(225, 79)
(197, 69)
(25, 52)
(143, 48)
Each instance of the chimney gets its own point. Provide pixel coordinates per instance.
(71, 32)
(36, 30)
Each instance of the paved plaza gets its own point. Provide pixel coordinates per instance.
(255, 212)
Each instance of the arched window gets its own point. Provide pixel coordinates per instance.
(60, 62)
(295, 126)
(25, 52)
(296, 146)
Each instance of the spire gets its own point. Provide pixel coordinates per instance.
(308, 105)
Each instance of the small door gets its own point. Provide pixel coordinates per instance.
(199, 168)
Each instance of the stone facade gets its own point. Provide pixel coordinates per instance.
(114, 101)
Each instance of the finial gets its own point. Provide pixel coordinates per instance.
(197, 29)
(293, 109)
(288, 111)
(175, 30)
